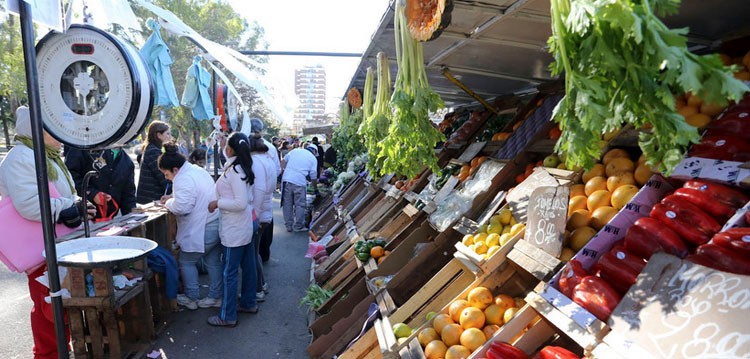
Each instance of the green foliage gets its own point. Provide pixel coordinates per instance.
(621, 66)
(374, 128)
(347, 142)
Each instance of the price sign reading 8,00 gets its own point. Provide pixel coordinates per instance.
(544, 233)
(547, 209)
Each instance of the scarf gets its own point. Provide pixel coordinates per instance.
(53, 154)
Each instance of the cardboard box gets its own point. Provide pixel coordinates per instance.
(726, 172)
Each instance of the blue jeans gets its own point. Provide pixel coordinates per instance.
(258, 261)
(211, 257)
(234, 259)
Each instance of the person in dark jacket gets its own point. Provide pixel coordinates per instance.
(152, 184)
(116, 179)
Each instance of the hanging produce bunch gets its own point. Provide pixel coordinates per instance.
(411, 138)
(345, 138)
(377, 119)
(621, 66)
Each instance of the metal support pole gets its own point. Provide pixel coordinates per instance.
(40, 161)
(217, 160)
(471, 93)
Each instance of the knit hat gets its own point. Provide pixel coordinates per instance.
(23, 121)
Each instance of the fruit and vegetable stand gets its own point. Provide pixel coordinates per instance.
(500, 248)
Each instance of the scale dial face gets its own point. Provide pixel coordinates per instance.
(90, 87)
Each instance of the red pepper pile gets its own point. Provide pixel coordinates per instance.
(501, 350)
(728, 137)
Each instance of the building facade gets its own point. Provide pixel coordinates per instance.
(310, 88)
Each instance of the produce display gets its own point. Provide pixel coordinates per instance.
(621, 66)
(728, 137)
(375, 126)
(490, 237)
(374, 248)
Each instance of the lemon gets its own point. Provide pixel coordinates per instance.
(480, 237)
(401, 330)
(505, 238)
(512, 220)
(490, 251)
(480, 248)
(468, 240)
(506, 229)
(517, 228)
(494, 228)
(493, 239)
(505, 216)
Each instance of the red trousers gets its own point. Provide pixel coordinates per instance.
(42, 319)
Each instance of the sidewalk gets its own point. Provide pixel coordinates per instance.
(279, 330)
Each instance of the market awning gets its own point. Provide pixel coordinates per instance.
(499, 47)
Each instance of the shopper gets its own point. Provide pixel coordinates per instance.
(197, 229)
(114, 185)
(151, 182)
(300, 165)
(18, 182)
(265, 184)
(235, 197)
(266, 237)
(320, 154)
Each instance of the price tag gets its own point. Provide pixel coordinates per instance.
(547, 209)
(518, 198)
(471, 151)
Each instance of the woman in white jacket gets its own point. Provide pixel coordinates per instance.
(197, 229)
(265, 184)
(234, 191)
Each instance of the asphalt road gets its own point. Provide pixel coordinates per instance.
(279, 330)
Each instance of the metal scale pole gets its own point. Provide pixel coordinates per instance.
(40, 161)
(217, 160)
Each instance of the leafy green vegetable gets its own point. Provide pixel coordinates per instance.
(411, 138)
(316, 296)
(622, 65)
(375, 127)
(345, 139)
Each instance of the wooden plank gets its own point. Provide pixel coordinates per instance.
(95, 331)
(362, 348)
(560, 320)
(437, 283)
(348, 268)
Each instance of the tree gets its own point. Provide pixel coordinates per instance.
(12, 74)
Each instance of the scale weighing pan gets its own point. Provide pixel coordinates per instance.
(94, 252)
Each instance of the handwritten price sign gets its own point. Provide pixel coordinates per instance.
(548, 207)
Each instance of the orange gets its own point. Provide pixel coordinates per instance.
(596, 170)
(494, 314)
(598, 199)
(427, 335)
(602, 216)
(451, 334)
(619, 180)
(490, 330)
(688, 110)
(711, 109)
(510, 313)
(472, 318)
(613, 153)
(505, 301)
(377, 252)
(594, 184)
(566, 254)
(642, 174)
(381, 259)
(693, 100)
(579, 218)
(457, 352)
(472, 339)
(441, 320)
(698, 120)
(642, 159)
(577, 190)
(580, 237)
(619, 165)
(435, 350)
(520, 302)
(622, 195)
(480, 297)
(456, 308)
(575, 203)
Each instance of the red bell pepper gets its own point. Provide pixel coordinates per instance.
(687, 220)
(734, 123)
(619, 268)
(734, 239)
(501, 350)
(720, 193)
(723, 259)
(704, 201)
(722, 147)
(648, 236)
(552, 352)
(596, 296)
(571, 275)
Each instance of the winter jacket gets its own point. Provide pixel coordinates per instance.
(235, 202)
(264, 186)
(161, 260)
(193, 191)
(116, 175)
(274, 154)
(151, 182)
(18, 181)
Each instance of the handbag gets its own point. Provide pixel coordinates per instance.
(22, 242)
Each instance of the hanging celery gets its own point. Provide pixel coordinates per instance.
(411, 135)
(346, 140)
(621, 66)
(374, 128)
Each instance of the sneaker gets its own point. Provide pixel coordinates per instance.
(209, 302)
(186, 302)
(252, 310)
(265, 287)
(218, 322)
(288, 229)
(303, 229)
(260, 296)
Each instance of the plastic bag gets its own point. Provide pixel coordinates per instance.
(378, 283)
(313, 248)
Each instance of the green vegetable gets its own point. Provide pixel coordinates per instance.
(409, 146)
(364, 257)
(316, 296)
(622, 65)
(375, 127)
(345, 139)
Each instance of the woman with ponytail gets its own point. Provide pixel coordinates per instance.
(151, 182)
(197, 229)
(234, 190)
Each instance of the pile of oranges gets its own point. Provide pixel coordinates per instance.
(467, 324)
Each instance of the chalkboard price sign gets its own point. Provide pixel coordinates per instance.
(547, 209)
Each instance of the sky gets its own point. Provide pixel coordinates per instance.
(320, 26)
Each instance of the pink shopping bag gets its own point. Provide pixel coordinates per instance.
(22, 241)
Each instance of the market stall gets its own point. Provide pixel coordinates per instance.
(568, 256)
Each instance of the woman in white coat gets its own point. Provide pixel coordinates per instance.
(234, 191)
(197, 229)
(265, 184)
